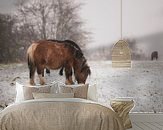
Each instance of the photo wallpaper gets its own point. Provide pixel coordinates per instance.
(96, 26)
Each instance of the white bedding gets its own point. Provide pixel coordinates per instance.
(59, 114)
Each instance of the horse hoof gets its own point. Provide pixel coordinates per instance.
(42, 83)
(32, 84)
(69, 83)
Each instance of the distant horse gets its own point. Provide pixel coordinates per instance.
(154, 55)
(53, 55)
(70, 43)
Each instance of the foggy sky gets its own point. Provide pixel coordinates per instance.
(7, 6)
(141, 19)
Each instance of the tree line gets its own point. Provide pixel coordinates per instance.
(38, 19)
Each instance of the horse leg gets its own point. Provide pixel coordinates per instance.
(152, 57)
(156, 57)
(61, 71)
(48, 71)
(40, 72)
(68, 73)
(32, 75)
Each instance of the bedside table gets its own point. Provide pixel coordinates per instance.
(122, 107)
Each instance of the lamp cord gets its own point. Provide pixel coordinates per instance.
(121, 18)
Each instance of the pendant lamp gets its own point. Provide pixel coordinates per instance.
(121, 54)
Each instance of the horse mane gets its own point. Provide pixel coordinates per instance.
(78, 52)
(54, 40)
(72, 43)
(85, 66)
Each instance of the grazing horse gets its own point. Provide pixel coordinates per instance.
(70, 43)
(154, 55)
(54, 55)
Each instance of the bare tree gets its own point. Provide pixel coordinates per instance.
(52, 19)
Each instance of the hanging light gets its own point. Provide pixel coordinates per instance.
(121, 55)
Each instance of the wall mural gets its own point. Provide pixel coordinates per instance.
(133, 70)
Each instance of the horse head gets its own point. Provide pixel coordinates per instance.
(81, 70)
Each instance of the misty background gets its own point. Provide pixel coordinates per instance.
(95, 26)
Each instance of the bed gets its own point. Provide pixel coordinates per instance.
(58, 107)
(59, 114)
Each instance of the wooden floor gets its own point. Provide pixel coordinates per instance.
(146, 121)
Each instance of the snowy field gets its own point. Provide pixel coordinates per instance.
(143, 82)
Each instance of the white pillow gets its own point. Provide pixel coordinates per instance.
(79, 90)
(92, 92)
(24, 92)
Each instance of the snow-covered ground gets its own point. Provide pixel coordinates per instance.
(143, 82)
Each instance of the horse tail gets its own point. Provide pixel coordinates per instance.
(30, 58)
(30, 63)
(30, 54)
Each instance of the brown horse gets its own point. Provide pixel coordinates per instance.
(54, 55)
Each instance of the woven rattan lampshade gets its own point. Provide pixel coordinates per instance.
(121, 54)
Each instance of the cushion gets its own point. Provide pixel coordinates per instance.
(80, 90)
(28, 90)
(24, 92)
(56, 95)
(92, 92)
